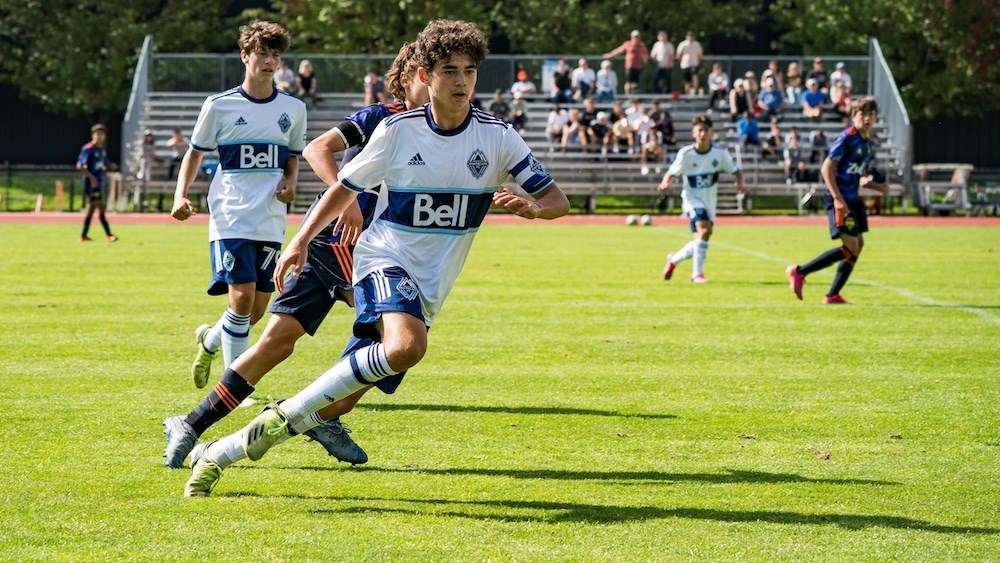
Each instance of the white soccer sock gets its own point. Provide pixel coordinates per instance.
(351, 374)
(307, 423)
(684, 253)
(213, 338)
(700, 253)
(235, 335)
(229, 450)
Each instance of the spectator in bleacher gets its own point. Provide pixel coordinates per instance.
(305, 82)
(374, 88)
(813, 101)
(147, 156)
(840, 73)
(524, 85)
(93, 162)
(557, 120)
(793, 154)
(518, 112)
(642, 125)
(718, 87)
(818, 73)
(690, 54)
(751, 84)
(284, 78)
(748, 130)
(499, 108)
(606, 82)
(651, 152)
(663, 57)
(178, 145)
(793, 84)
(663, 123)
(818, 143)
(773, 145)
(574, 132)
(583, 78)
(740, 100)
(600, 132)
(622, 134)
(561, 83)
(803, 175)
(771, 101)
(774, 71)
(634, 105)
(587, 116)
(636, 54)
(840, 99)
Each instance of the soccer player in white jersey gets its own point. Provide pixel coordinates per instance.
(442, 165)
(259, 132)
(698, 167)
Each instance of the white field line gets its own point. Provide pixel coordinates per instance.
(984, 314)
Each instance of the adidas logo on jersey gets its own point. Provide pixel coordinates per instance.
(241, 121)
(416, 161)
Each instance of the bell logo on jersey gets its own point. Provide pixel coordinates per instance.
(443, 214)
(268, 158)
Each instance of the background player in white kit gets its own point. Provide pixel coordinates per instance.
(698, 166)
(442, 166)
(259, 132)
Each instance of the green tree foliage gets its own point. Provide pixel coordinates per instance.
(77, 58)
(943, 53)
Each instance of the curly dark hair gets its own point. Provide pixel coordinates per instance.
(404, 65)
(702, 119)
(444, 38)
(864, 105)
(264, 36)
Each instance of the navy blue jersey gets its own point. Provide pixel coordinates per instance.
(95, 160)
(852, 153)
(360, 126)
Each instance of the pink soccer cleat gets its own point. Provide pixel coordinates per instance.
(795, 280)
(700, 278)
(835, 299)
(668, 270)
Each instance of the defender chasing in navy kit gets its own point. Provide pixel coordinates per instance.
(845, 172)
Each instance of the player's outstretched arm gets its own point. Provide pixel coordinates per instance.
(183, 208)
(551, 204)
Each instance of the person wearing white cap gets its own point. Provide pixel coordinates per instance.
(636, 54)
(840, 73)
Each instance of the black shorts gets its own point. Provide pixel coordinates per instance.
(309, 296)
(689, 72)
(632, 75)
(854, 223)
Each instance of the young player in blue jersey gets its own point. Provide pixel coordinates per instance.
(845, 172)
(306, 299)
(698, 166)
(92, 162)
(442, 166)
(259, 132)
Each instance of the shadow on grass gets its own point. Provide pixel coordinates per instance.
(509, 410)
(560, 512)
(729, 476)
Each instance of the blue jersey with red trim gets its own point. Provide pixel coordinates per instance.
(852, 153)
(95, 160)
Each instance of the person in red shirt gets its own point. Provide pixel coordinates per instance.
(636, 54)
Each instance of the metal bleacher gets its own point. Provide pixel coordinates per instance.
(585, 175)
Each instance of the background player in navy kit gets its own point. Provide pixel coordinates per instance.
(259, 131)
(442, 166)
(306, 299)
(92, 162)
(845, 172)
(698, 166)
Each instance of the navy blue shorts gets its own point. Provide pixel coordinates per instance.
(309, 296)
(384, 291)
(854, 223)
(242, 261)
(698, 214)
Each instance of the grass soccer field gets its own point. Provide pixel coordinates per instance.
(572, 406)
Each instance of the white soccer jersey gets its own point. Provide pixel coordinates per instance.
(439, 184)
(255, 139)
(699, 173)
